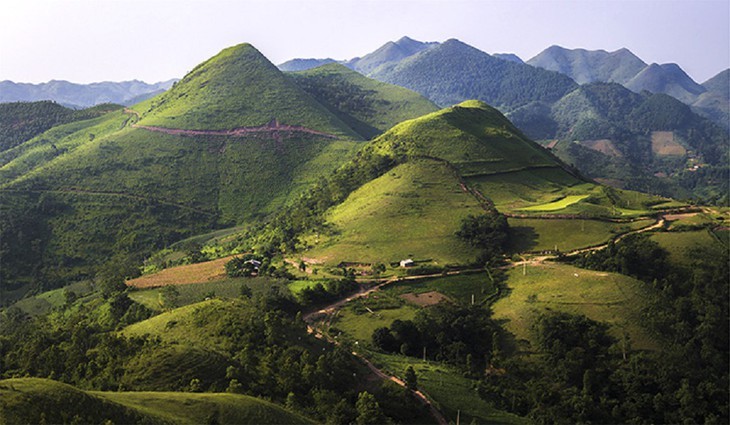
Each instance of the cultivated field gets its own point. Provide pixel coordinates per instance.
(605, 146)
(183, 275)
(663, 143)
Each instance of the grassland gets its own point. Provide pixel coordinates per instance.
(681, 245)
(533, 234)
(452, 393)
(413, 211)
(33, 400)
(359, 327)
(606, 297)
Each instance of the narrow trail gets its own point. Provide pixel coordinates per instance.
(273, 127)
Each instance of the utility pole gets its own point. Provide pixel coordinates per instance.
(458, 414)
(424, 353)
(472, 299)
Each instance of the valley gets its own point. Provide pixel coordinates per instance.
(369, 241)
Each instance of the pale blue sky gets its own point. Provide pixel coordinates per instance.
(152, 40)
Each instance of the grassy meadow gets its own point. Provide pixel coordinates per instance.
(606, 297)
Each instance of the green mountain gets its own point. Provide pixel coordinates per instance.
(588, 66)
(365, 105)
(34, 400)
(648, 142)
(452, 72)
(237, 88)
(295, 65)
(390, 53)
(407, 192)
(113, 189)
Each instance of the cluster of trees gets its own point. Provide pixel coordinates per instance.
(21, 121)
(329, 290)
(464, 336)
(488, 232)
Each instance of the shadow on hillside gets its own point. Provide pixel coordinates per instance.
(522, 239)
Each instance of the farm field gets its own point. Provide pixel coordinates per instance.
(184, 275)
(534, 234)
(557, 205)
(359, 327)
(607, 297)
(452, 393)
(663, 143)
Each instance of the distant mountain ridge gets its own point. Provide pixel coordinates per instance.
(82, 95)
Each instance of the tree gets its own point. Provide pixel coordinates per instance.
(169, 295)
(368, 410)
(487, 232)
(246, 291)
(410, 378)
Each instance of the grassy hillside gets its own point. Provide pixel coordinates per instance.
(367, 106)
(413, 211)
(606, 297)
(238, 87)
(33, 400)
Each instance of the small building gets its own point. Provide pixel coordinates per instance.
(407, 263)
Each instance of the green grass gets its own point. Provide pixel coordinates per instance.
(531, 234)
(46, 301)
(34, 400)
(451, 392)
(238, 87)
(605, 297)
(413, 211)
(360, 327)
(557, 205)
(459, 288)
(681, 245)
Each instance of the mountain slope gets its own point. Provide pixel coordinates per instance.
(367, 106)
(586, 66)
(81, 95)
(295, 65)
(237, 88)
(111, 190)
(452, 72)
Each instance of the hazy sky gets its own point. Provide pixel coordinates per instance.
(113, 40)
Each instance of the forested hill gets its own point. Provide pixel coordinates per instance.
(453, 72)
(21, 121)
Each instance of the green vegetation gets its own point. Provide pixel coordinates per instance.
(534, 234)
(236, 88)
(61, 403)
(369, 107)
(459, 288)
(557, 205)
(608, 298)
(453, 72)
